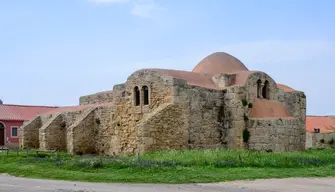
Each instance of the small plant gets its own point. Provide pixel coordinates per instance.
(250, 105)
(269, 150)
(88, 163)
(246, 136)
(331, 142)
(244, 102)
(322, 141)
(246, 118)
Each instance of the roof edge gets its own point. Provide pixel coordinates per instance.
(15, 105)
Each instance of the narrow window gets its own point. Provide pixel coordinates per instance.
(145, 95)
(14, 131)
(136, 96)
(265, 91)
(259, 84)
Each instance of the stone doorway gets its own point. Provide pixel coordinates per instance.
(2, 134)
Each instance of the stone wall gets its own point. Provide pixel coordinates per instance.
(277, 135)
(309, 140)
(73, 120)
(203, 117)
(177, 116)
(52, 134)
(84, 134)
(320, 140)
(102, 97)
(103, 118)
(295, 102)
(124, 136)
(29, 133)
(234, 116)
(165, 129)
(119, 93)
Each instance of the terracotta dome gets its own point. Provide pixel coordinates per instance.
(218, 63)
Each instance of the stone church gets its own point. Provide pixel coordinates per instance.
(219, 104)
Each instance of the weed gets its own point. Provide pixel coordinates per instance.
(244, 102)
(246, 136)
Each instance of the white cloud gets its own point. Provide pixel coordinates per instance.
(146, 9)
(107, 1)
(140, 8)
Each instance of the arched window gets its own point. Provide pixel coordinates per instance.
(145, 95)
(259, 90)
(136, 96)
(265, 91)
(2, 126)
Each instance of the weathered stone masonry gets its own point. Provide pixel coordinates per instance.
(212, 106)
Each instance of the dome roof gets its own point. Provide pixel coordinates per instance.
(218, 63)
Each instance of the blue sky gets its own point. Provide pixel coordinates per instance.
(52, 52)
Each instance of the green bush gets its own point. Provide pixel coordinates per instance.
(246, 136)
(246, 118)
(244, 102)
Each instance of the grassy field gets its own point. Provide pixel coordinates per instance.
(189, 166)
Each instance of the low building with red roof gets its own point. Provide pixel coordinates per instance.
(320, 124)
(320, 131)
(12, 117)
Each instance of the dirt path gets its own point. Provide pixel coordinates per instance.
(14, 184)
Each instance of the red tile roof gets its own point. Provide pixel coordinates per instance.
(74, 108)
(326, 124)
(218, 63)
(196, 79)
(21, 112)
(263, 108)
(285, 88)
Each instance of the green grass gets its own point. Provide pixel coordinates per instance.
(186, 166)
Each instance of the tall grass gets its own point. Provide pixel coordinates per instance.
(171, 166)
(245, 158)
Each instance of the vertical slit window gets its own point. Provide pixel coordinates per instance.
(146, 95)
(137, 96)
(265, 90)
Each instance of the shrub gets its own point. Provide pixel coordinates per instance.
(244, 102)
(88, 163)
(331, 142)
(246, 118)
(246, 136)
(322, 141)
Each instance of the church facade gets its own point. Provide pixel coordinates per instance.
(219, 104)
